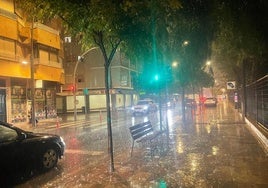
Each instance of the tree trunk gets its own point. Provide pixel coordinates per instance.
(183, 104)
(109, 122)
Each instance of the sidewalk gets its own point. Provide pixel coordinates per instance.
(43, 123)
(39, 126)
(214, 149)
(67, 118)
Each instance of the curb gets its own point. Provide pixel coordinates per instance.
(260, 137)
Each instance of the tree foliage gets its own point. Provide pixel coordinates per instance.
(194, 26)
(149, 32)
(105, 23)
(241, 37)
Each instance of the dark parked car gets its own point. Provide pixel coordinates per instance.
(211, 101)
(21, 150)
(190, 103)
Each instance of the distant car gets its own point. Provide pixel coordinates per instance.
(166, 103)
(144, 107)
(190, 103)
(20, 150)
(211, 101)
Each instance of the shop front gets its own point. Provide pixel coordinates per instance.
(120, 99)
(3, 93)
(21, 103)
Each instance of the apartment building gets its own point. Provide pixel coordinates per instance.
(89, 81)
(19, 41)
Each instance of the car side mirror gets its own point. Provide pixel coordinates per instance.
(22, 136)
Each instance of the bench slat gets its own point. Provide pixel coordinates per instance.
(143, 132)
(140, 125)
(141, 129)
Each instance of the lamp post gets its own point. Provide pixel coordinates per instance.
(74, 79)
(32, 82)
(33, 118)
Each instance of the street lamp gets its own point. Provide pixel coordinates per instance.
(33, 118)
(32, 85)
(174, 64)
(80, 58)
(185, 43)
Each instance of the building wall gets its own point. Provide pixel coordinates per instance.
(97, 102)
(90, 76)
(15, 48)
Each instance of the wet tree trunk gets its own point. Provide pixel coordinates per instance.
(99, 40)
(183, 104)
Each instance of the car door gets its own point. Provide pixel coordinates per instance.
(11, 149)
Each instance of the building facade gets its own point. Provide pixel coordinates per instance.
(19, 41)
(90, 81)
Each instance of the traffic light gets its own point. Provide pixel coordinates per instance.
(72, 88)
(156, 77)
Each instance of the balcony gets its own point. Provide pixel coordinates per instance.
(48, 63)
(45, 35)
(24, 34)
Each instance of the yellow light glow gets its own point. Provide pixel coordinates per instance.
(180, 148)
(185, 43)
(174, 64)
(215, 150)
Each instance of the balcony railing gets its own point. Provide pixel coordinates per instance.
(257, 101)
(5, 55)
(49, 63)
(8, 14)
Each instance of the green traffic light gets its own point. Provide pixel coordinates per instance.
(156, 77)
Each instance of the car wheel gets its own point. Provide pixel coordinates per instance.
(49, 158)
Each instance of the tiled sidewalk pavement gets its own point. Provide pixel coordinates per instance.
(200, 155)
(219, 153)
(39, 126)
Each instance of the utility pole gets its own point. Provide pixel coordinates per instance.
(74, 79)
(33, 120)
(244, 104)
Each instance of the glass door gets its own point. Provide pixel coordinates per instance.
(3, 116)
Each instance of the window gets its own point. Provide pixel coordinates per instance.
(7, 134)
(43, 56)
(7, 48)
(47, 54)
(53, 57)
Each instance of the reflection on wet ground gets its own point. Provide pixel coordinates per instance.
(214, 148)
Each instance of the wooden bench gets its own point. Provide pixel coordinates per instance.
(143, 132)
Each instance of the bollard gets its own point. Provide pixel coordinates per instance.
(57, 123)
(100, 116)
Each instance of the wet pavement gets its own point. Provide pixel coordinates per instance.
(214, 148)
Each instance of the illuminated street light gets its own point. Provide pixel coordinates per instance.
(185, 43)
(156, 77)
(174, 64)
(24, 62)
(80, 58)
